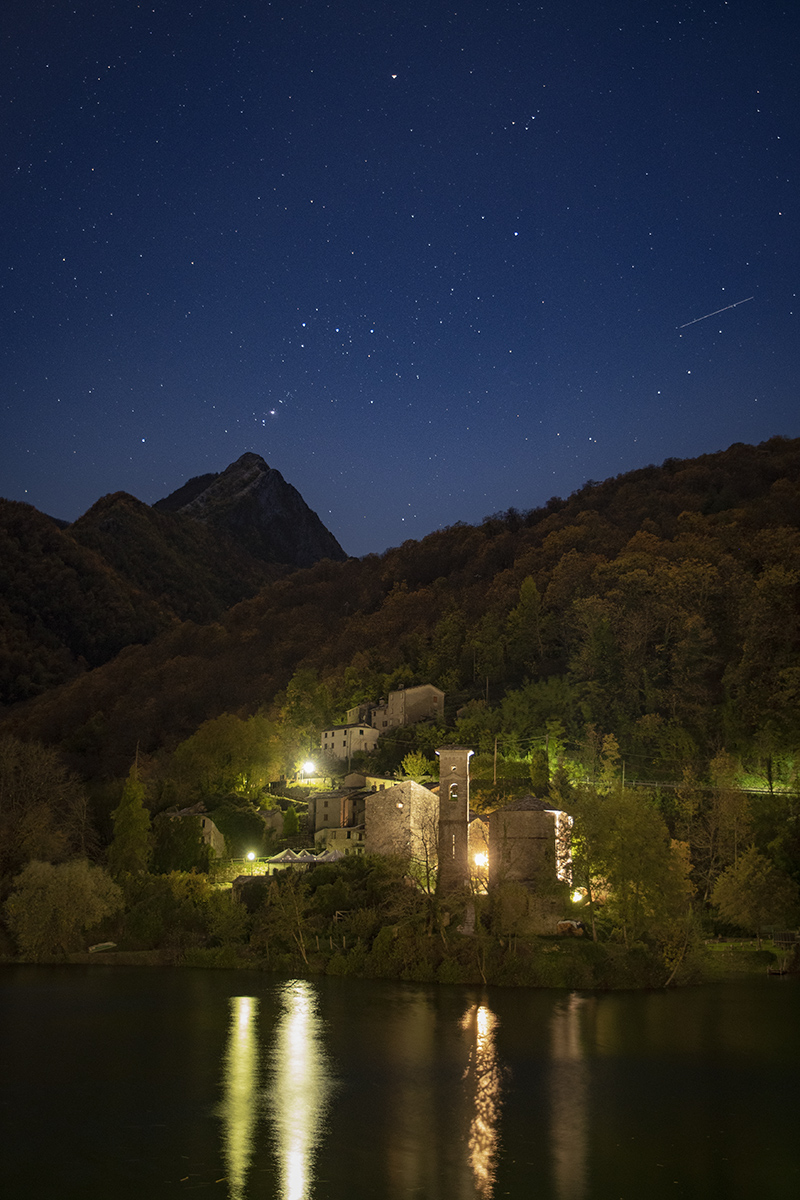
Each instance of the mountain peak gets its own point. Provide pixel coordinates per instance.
(254, 504)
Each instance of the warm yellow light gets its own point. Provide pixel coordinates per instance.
(578, 895)
(481, 860)
(308, 768)
(250, 855)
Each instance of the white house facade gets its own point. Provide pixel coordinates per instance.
(344, 740)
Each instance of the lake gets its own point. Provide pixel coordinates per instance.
(147, 1083)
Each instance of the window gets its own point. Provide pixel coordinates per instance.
(453, 791)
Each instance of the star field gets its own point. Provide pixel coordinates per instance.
(430, 261)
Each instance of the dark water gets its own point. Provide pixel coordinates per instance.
(142, 1083)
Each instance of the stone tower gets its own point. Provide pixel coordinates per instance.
(453, 818)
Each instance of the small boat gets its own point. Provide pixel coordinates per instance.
(100, 946)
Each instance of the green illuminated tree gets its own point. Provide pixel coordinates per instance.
(754, 892)
(291, 822)
(51, 907)
(131, 849)
(226, 756)
(416, 766)
(622, 853)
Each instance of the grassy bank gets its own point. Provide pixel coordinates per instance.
(396, 953)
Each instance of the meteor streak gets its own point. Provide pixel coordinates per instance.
(717, 310)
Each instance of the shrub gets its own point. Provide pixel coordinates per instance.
(52, 907)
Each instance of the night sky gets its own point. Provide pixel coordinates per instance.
(430, 260)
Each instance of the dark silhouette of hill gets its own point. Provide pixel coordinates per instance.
(254, 505)
(63, 609)
(193, 571)
(663, 606)
(73, 596)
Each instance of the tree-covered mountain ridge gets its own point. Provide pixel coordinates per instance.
(73, 596)
(660, 607)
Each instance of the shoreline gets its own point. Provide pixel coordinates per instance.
(714, 964)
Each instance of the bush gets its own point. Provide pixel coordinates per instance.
(52, 907)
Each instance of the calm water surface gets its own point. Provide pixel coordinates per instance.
(120, 1083)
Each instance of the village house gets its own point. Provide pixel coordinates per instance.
(209, 832)
(366, 722)
(530, 845)
(344, 741)
(335, 810)
(346, 841)
(404, 820)
(405, 706)
(526, 843)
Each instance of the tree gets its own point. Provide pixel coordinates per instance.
(524, 627)
(131, 849)
(291, 822)
(417, 767)
(43, 808)
(646, 873)
(716, 824)
(178, 844)
(226, 756)
(587, 847)
(753, 893)
(51, 907)
(540, 771)
(622, 852)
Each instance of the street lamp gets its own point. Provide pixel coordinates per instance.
(251, 859)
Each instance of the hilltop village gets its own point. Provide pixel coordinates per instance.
(180, 686)
(447, 845)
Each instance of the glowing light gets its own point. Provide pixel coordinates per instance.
(481, 860)
(239, 1108)
(308, 768)
(569, 1098)
(250, 856)
(485, 1076)
(301, 1088)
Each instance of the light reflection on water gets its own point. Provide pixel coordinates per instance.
(239, 1109)
(302, 1084)
(285, 1081)
(483, 1078)
(295, 1102)
(543, 1094)
(569, 1097)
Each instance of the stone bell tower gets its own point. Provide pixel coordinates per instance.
(453, 856)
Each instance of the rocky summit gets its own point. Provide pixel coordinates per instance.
(253, 503)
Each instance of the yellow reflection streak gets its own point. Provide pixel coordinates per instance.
(484, 1074)
(569, 1098)
(240, 1087)
(301, 1088)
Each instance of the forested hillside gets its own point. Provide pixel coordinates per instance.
(660, 607)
